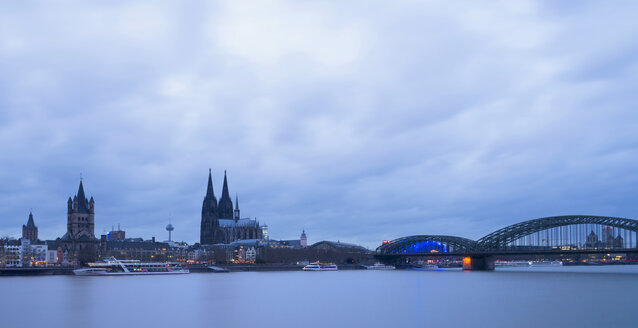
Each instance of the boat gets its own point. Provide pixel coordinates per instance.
(546, 263)
(429, 267)
(380, 266)
(512, 263)
(318, 266)
(114, 267)
(214, 268)
(423, 267)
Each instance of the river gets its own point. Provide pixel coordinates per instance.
(601, 296)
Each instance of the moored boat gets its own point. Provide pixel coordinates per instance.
(380, 266)
(546, 263)
(114, 267)
(318, 266)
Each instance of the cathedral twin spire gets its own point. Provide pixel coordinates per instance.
(223, 209)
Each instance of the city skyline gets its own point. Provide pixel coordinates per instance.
(358, 125)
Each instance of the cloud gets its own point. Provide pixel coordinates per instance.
(358, 122)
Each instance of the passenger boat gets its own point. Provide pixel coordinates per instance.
(546, 263)
(114, 267)
(512, 263)
(380, 266)
(318, 266)
(423, 267)
(429, 267)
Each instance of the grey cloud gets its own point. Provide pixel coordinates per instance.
(356, 122)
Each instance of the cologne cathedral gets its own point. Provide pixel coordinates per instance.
(220, 223)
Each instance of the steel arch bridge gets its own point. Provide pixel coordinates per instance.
(500, 241)
(501, 238)
(427, 244)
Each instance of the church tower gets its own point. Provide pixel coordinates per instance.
(80, 216)
(30, 231)
(225, 204)
(236, 213)
(209, 214)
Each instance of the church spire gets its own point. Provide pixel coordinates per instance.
(210, 192)
(236, 212)
(30, 223)
(225, 188)
(82, 201)
(225, 203)
(209, 214)
(30, 231)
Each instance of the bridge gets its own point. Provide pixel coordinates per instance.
(571, 235)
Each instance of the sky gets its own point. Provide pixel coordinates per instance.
(358, 121)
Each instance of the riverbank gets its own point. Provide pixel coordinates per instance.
(51, 271)
(193, 268)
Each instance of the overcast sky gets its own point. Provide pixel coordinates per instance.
(357, 121)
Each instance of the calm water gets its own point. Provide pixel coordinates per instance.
(536, 297)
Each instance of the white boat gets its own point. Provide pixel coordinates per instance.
(424, 267)
(546, 263)
(512, 263)
(317, 266)
(216, 269)
(114, 267)
(380, 266)
(429, 267)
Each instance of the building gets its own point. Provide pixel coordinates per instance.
(30, 231)
(118, 234)
(79, 241)
(23, 253)
(12, 254)
(221, 224)
(303, 239)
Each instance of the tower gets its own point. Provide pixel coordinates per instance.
(236, 212)
(303, 240)
(30, 231)
(225, 204)
(170, 229)
(209, 214)
(80, 216)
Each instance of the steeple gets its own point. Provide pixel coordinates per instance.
(210, 202)
(210, 192)
(30, 223)
(30, 231)
(225, 188)
(236, 212)
(225, 204)
(82, 201)
(209, 213)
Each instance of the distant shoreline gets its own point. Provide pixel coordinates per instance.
(57, 271)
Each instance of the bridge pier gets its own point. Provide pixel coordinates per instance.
(478, 263)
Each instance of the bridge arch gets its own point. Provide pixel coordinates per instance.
(426, 244)
(504, 237)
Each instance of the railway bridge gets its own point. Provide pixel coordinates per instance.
(556, 235)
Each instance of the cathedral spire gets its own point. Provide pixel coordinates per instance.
(210, 191)
(209, 214)
(225, 203)
(236, 212)
(225, 188)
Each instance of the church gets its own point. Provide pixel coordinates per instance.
(221, 224)
(79, 240)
